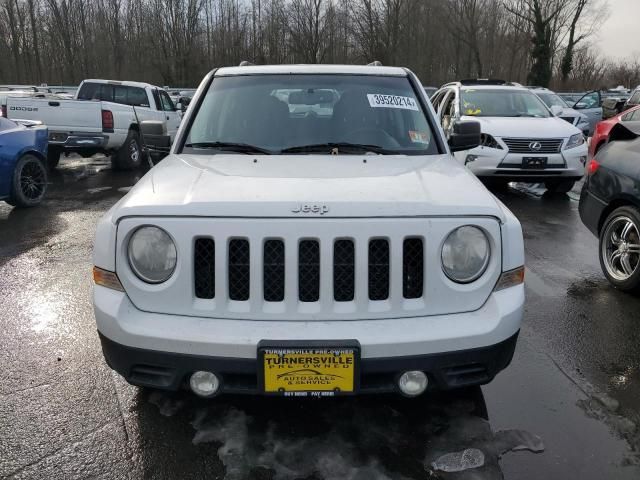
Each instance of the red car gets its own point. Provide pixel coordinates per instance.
(601, 133)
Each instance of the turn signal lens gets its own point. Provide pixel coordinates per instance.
(593, 167)
(510, 279)
(107, 279)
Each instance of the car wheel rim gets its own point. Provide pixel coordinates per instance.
(32, 180)
(134, 152)
(621, 248)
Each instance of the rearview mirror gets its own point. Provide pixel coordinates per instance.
(465, 135)
(155, 138)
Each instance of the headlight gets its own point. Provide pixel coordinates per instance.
(465, 254)
(152, 254)
(575, 141)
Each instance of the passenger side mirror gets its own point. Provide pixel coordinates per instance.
(155, 139)
(580, 106)
(556, 110)
(465, 135)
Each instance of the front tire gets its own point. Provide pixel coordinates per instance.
(129, 156)
(29, 182)
(619, 250)
(559, 186)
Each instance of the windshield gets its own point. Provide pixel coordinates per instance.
(311, 114)
(502, 103)
(551, 100)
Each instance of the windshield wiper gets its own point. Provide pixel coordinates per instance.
(231, 146)
(339, 147)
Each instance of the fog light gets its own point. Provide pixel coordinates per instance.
(204, 384)
(413, 383)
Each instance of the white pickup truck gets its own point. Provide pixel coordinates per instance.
(104, 117)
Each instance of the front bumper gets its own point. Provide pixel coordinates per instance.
(496, 163)
(161, 351)
(171, 371)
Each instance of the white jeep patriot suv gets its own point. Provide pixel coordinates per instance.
(310, 234)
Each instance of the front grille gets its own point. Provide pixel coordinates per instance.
(309, 271)
(342, 269)
(527, 145)
(204, 265)
(378, 269)
(412, 268)
(273, 275)
(239, 270)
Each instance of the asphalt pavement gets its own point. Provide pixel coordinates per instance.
(567, 408)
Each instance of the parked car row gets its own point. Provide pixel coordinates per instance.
(104, 117)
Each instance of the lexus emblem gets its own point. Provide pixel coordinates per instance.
(535, 146)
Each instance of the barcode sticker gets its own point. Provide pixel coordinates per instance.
(377, 100)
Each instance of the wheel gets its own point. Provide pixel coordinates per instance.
(53, 157)
(29, 182)
(620, 249)
(130, 154)
(559, 186)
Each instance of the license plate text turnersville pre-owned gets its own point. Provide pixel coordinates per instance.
(307, 370)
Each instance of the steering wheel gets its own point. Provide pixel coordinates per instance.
(372, 136)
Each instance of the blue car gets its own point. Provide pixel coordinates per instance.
(23, 163)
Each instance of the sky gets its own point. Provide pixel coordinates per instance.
(618, 35)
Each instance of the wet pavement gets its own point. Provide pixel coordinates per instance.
(566, 408)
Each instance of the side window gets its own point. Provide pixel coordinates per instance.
(589, 101)
(106, 93)
(89, 91)
(436, 100)
(137, 97)
(120, 95)
(167, 104)
(635, 98)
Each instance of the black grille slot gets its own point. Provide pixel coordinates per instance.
(239, 269)
(309, 271)
(273, 278)
(412, 268)
(343, 270)
(378, 269)
(204, 264)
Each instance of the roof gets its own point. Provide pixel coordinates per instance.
(312, 69)
(493, 87)
(118, 82)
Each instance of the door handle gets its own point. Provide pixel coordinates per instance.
(54, 104)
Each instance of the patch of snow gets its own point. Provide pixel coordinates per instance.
(459, 461)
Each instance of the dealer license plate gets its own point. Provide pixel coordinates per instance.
(534, 162)
(309, 371)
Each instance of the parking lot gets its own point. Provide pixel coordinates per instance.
(566, 408)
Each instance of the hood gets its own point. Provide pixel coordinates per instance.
(525, 127)
(232, 185)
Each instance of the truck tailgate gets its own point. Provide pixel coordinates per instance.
(58, 115)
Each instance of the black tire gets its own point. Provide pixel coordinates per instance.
(29, 184)
(559, 186)
(496, 184)
(626, 246)
(53, 157)
(129, 157)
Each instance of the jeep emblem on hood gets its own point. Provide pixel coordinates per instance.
(320, 209)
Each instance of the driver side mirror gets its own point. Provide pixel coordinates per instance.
(556, 110)
(465, 135)
(580, 106)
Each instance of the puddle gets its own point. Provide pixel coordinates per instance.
(440, 436)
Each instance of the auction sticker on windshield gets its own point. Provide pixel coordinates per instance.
(377, 100)
(309, 371)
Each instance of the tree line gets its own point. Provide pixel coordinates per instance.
(176, 42)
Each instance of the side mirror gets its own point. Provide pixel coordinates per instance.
(465, 135)
(155, 138)
(556, 110)
(580, 106)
